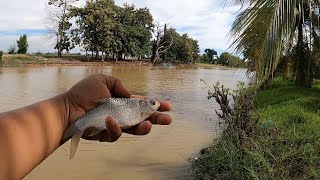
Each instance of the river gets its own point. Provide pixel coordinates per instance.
(162, 154)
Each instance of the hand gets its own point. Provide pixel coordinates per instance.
(83, 97)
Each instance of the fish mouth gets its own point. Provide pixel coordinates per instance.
(157, 105)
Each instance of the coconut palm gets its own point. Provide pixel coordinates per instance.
(270, 29)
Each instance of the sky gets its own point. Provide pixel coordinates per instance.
(208, 21)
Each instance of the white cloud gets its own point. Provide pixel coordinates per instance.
(206, 20)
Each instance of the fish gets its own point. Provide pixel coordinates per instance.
(127, 112)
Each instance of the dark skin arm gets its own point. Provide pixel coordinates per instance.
(30, 134)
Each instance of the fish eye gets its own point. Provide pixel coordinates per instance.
(153, 103)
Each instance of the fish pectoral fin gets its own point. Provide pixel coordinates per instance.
(69, 133)
(94, 132)
(75, 142)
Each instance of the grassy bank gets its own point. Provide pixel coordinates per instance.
(206, 66)
(14, 60)
(19, 59)
(284, 145)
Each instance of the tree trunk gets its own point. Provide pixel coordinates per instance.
(59, 45)
(87, 55)
(119, 55)
(154, 50)
(301, 61)
(286, 68)
(59, 52)
(114, 56)
(102, 56)
(97, 54)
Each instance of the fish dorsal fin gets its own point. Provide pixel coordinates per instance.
(101, 101)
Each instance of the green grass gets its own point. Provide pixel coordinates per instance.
(285, 145)
(67, 57)
(18, 59)
(206, 66)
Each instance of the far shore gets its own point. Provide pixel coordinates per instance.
(35, 60)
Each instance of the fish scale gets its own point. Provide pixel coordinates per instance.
(126, 112)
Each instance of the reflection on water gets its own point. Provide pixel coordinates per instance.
(163, 154)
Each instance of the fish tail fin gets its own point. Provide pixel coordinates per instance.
(75, 134)
(75, 142)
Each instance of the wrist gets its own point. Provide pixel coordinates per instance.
(65, 97)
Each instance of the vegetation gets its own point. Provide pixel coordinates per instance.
(22, 44)
(278, 137)
(227, 59)
(12, 49)
(19, 59)
(268, 31)
(206, 65)
(183, 50)
(119, 32)
(101, 26)
(57, 23)
(223, 160)
(283, 143)
(209, 56)
(1, 54)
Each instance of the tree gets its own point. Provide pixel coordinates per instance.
(135, 30)
(205, 58)
(57, 23)
(102, 26)
(210, 54)
(22, 44)
(184, 49)
(227, 59)
(161, 43)
(12, 49)
(269, 30)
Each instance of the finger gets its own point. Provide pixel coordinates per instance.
(160, 118)
(138, 96)
(165, 106)
(141, 129)
(116, 87)
(102, 136)
(113, 130)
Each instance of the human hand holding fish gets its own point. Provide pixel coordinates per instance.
(91, 111)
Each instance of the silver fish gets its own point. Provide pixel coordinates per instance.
(127, 112)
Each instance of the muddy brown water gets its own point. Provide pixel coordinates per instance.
(162, 154)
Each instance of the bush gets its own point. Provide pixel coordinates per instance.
(228, 157)
(12, 49)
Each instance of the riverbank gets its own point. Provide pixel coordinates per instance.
(18, 60)
(34, 60)
(285, 143)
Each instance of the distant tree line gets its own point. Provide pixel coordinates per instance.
(210, 56)
(104, 29)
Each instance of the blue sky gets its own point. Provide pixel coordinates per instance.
(208, 21)
(29, 32)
